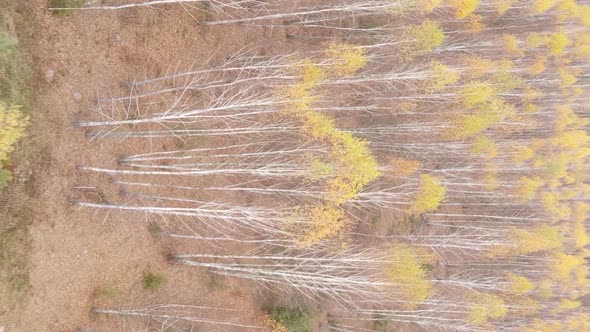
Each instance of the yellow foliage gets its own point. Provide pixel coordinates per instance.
(557, 43)
(530, 94)
(485, 307)
(407, 270)
(442, 76)
(426, 37)
(12, 128)
(527, 188)
(567, 304)
(405, 167)
(327, 221)
(544, 238)
(538, 66)
(318, 168)
(523, 154)
(568, 78)
(545, 288)
(519, 285)
(566, 118)
(563, 265)
(511, 45)
(503, 6)
(578, 323)
(346, 59)
(535, 39)
(476, 93)
(580, 233)
(273, 325)
(484, 145)
(552, 206)
(571, 139)
(490, 178)
(426, 6)
(530, 108)
(475, 24)
(543, 326)
(463, 8)
(584, 15)
(541, 6)
(431, 194)
(311, 74)
(523, 306)
(478, 66)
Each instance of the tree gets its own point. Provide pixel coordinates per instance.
(463, 8)
(431, 194)
(12, 128)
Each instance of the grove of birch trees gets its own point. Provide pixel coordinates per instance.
(461, 124)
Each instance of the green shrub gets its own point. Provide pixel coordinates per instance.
(65, 4)
(153, 281)
(5, 177)
(295, 320)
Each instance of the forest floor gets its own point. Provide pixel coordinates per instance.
(56, 260)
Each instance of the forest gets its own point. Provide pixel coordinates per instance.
(408, 165)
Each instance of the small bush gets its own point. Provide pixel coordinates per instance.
(107, 292)
(5, 177)
(65, 4)
(295, 320)
(153, 281)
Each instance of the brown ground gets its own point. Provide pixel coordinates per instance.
(73, 252)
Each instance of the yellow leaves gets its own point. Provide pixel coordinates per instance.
(542, 326)
(578, 323)
(518, 285)
(485, 307)
(541, 6)
(538, 66)
(503, 6)
(463, 8)
(441, 77)
(478, 66)
(567, 304)
(476, 93)
(563, 265)
(327, 221)
(535, 39)
(470, 125)
(567, 118)
(527, 188)
(557, 42)
(347, 59)
(544, 238)
(404, 167)
(425, 38)
(407, 270)
(484, 145)
(553, 207)
(12, 128)
(431, 194)
(427, 6)
(568, 78)
(523, 154)
(273, 325)
(579, 216)
(475, 24)
(511, 45)
(319, 169)
(571, 139)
